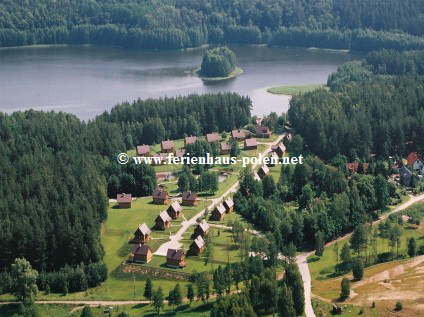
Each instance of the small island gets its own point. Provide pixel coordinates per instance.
(295, 89)
(218, 64)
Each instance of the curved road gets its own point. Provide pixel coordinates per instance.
(302, 263)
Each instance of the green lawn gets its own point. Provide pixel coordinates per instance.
(293, 90)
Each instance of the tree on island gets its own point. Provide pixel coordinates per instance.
(218, 62)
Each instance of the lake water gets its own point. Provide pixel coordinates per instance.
(86, 80)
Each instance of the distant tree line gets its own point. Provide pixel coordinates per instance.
(140, 24)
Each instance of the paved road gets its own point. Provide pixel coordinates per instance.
(173, 242)
(302, 263)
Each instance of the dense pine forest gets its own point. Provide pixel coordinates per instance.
(175, 24)
(58, 172)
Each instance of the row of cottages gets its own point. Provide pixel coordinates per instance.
(263, 132)
(124, 200)
(220, 210)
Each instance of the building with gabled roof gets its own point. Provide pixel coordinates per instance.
(212, 137)
(279, 149)
(273, 159)
(143, 150)
(238, 135)
(190, 140)
(180, 152)
(224, 148)
(250, 144)
(163, 220)
(142, 253)
(175, 258)
(167, 146)
(228, 205)
(174, 211)
(189, 198)
(218, 213)
(197, 246)
(263, 171)
(353, 167)
(414, 160)
(124, 200)
(160, 196)
(142, 234)
(263, 131)
(202, 228)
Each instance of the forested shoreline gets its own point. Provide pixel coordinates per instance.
(177, 24)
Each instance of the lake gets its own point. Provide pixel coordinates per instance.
(87, 80)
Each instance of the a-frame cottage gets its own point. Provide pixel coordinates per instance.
(202, 228)
(142, 253)
(174, 211)
(263, 171)
(228, 205)
(175, 258)
(163, 220)
(218, 213)
(197, 246)
(142, 234)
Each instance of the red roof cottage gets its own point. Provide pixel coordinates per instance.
(124, 200)
(189, 199)
(190, 140)
(263, 131)
(174, 211)
(175, 258)
(225, 148)
(238, 135)
(163, 220)
(250, 144)
(353, 167)
(143, 150)
(142, 234)
(142, 253)
(212, 137)
(160, 197)
(167, 146)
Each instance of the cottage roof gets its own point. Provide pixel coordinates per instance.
(199, 241)
(250, 142)
(412, 158)
(203, 225)
(144, 229)
(264, 169)
(164, 216)
(160, 194)
(220, 208)
(124, 198)
(237, 134)
(189, 195)
(167, 145)
(225, 146)
(262, 129)
(212, 137)
(228, 202)
(190, 139)
(141, 249)
(143, 149)
(353, 167)
(175, 206)
(180, 152)
(174, 254)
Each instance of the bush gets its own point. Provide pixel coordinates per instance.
(398, 306)
(358, 269)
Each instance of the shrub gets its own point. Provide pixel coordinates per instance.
(398, 306)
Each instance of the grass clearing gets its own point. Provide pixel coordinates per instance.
(294, 89)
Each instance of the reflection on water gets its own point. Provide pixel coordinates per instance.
(87, 80)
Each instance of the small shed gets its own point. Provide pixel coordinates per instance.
(337, 310)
